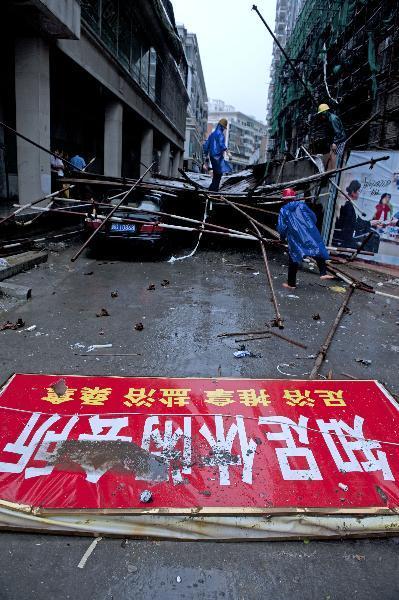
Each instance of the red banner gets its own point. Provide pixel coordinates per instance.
(73, 442)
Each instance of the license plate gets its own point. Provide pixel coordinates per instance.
(122, 227)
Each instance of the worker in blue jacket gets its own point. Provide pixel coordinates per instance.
(216, 147)
(297, 225)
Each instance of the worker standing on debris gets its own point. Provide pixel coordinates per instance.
(334, 132)
(297, 225)
(216, 147)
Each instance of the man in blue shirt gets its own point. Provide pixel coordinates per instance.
(78, 162)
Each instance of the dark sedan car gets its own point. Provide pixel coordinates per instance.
(131, 225)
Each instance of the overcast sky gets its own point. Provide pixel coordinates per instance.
(235, 49)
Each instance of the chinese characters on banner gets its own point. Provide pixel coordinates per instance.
(255, 444)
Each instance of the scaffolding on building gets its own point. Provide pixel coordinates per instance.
(347, 52)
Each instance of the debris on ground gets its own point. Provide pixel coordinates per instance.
(363, 361)
(103, 313)
(31, 328)
(316, 317)
(98, 347)
(343, 487)
(4, 264)
(151, 287)
(338, 289)
(8, 325)
(60, 387)
(114, 294)
(242, 353)
(165, 282)
(89, 273)
(139, 327)
(88, 552)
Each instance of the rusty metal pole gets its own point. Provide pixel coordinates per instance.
(327, 342)
(107, 218)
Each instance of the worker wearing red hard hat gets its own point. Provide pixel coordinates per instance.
(297, 225)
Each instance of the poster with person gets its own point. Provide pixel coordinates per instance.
(372, 209)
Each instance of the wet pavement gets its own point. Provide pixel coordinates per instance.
(218, 290)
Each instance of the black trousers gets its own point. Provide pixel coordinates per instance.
(216, 179)
(294, 266)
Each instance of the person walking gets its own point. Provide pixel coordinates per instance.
(216, 147)
(297, 225)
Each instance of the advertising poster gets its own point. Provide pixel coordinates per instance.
(208, 445)
(373, 211)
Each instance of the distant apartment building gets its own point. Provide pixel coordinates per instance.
(197, 110)
(245, 136)
(287, 12)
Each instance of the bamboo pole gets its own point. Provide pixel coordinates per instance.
(327, 342)
(278, 319)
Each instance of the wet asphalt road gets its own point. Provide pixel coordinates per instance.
(207, 295)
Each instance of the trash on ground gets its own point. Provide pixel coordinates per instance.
(89, 273)
(395, 348)
(98, 347)
(343, 487)
(103, 313)
(363, 361)
(165, 282)
(316, 317)
(8, 325)
(88, 552)
(139, 327)
(178, 579)
(31, 328)
(242, 353)
(292, 296)
(338, 289)
(151, 287)
(114, 294)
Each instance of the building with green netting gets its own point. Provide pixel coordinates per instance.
(347, 53)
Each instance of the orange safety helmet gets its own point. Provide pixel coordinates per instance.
(288, 194)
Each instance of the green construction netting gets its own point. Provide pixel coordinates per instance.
(328, 19)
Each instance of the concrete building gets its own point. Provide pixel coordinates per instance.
(197, 110)
(245, 135)
(106, 78)
(287, 12)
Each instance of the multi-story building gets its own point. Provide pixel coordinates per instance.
(197, 110)
(245, 135)
(348, 54)
(287, 12)
(106, 78)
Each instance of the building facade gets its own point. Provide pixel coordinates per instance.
(245, 136)
(348, 54)
(197, 110)
(287, 12)
(106, 78)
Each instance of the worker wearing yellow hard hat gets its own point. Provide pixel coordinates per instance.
(323, 108)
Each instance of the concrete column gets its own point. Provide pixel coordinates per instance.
(32, 108)
(177, 163)
(165, 159)
(147, 146)
(113, 125)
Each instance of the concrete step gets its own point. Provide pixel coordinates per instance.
(22, 262)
